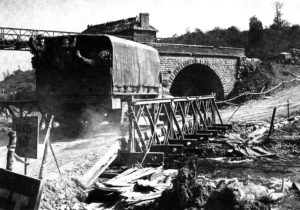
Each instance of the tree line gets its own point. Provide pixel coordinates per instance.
(258, 41)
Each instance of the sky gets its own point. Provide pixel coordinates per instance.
(168, 16)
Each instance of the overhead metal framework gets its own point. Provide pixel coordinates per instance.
(17, 38)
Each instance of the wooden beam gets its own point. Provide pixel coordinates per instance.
(101, 165)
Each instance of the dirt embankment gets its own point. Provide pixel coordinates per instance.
(256, 77)
(260, 107)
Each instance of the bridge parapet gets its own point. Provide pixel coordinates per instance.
(210, 51)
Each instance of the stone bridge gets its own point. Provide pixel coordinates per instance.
(185, 69)
(198, 70)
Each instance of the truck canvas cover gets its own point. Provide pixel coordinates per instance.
(134, 64)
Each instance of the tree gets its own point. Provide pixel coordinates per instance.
(278, 22)
(234, 37)
(256, 31)
(278, 14)
(255, 38)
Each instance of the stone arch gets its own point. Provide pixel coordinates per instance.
(194, 77)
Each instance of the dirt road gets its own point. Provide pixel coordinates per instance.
(262, 109)
(68, 153)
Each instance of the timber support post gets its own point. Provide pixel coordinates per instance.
(11, 150)
(272, 124)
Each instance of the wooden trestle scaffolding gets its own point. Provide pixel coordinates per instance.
(167, 126)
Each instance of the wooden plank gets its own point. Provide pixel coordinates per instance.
(262, 151)
(242, 151)
(101, 165)
(126, 180)
(171, 149)
(110, 173)
(251, 152)
(125, 173)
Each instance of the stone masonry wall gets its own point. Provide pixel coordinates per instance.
(224, 67)
(197, 49)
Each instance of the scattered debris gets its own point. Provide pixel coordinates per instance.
(193, 187)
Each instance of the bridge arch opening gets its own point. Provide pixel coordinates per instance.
(196, 80)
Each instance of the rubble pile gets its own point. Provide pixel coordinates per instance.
(134, 187)
(209, 178)
(185, 193)
(198, 192)
(57, 196)
(251, 77)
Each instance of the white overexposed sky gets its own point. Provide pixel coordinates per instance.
(168, 16)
